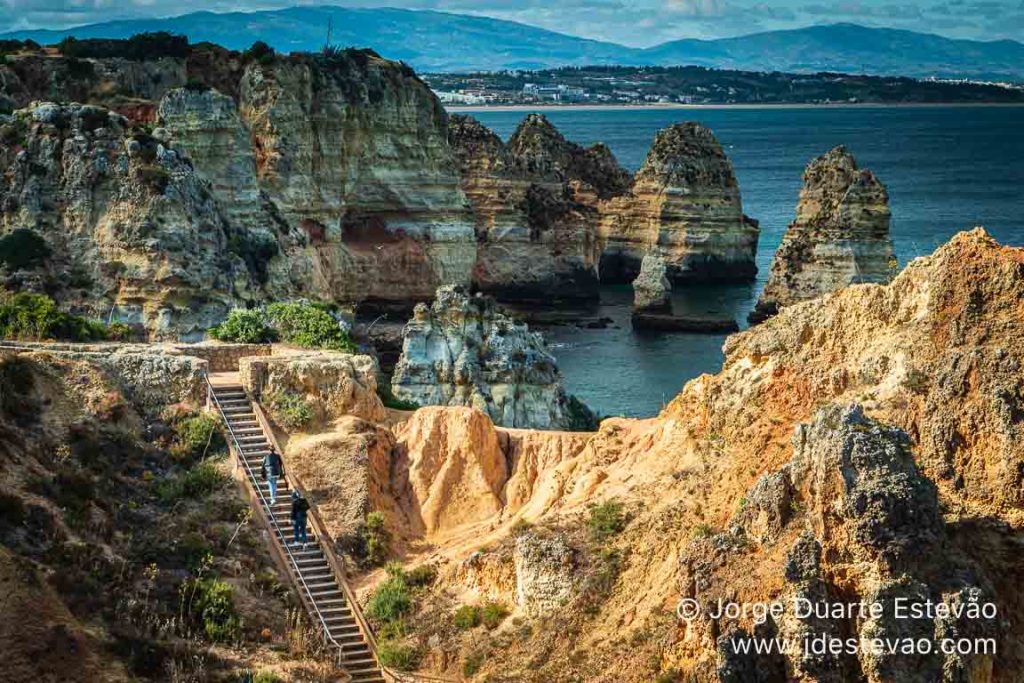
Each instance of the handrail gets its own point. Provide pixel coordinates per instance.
(282, 542)
(341, 575)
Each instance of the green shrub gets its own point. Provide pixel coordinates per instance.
(472, 663)
(289, 410)
(119, 332)
(140, 47)
(466, 617)
(391, 601)
(702, 531)
(198, 435)
(23, 249)
(376, 537)
(197, 482)
(245, 326)
(398, 656)
(210, 604)
(309, 325)
(36, 316)
(421, 576)
(260, 52)
(492, 614)
(606, 520)
(669, 676)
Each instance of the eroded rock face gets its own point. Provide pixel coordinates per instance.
(685, 201)
(450, 469)
(535, 202)
(840, 235)
(333, 384)
(135, 233)
(463, 351)
(347, 474)
(352, 152)
(545, 574)
(864, 505)
(652, 291)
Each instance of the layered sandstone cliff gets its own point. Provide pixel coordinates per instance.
(840, 235)
(684, 201)
(463, 351)
(338, 176)
(535, 203)
(319, 176)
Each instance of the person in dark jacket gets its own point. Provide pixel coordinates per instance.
(273, 468)
(300, 506)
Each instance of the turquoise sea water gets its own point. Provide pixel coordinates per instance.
(947, 169)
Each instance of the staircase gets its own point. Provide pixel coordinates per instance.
(312, 572)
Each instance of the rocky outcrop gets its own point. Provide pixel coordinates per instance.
(545, 574)
(864, 505)
(685, 202)
(332, 384)
(652, 291)
(134, 233)
(463, 351)
(339, 177)
(840, 236)
(535, 203)
(326, 177)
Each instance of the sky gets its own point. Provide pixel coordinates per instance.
(638, 23)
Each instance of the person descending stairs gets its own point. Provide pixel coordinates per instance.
(323, 596)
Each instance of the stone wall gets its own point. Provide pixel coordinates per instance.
(224, 357)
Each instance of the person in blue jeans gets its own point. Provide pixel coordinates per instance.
(273, 468)
(299, 509)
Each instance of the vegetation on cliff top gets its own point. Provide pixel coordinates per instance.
(305, 324)
(33, 317)
(140, 47)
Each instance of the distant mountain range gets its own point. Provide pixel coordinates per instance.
(433, 41)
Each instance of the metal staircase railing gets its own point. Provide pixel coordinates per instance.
(337, 566)
(279, 537)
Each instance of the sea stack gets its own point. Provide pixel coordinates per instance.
(535, 207)
(464, 351)
(685, 200)
(840, 235)
(652, 291)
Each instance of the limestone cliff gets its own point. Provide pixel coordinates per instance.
(840, 235)
(134, 233)
(535, 202)
(463, 351)
(351, 151)
(337, 176)
(684, 201)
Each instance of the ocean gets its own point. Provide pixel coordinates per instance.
(947, 169)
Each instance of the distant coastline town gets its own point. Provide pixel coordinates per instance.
(694, 85)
